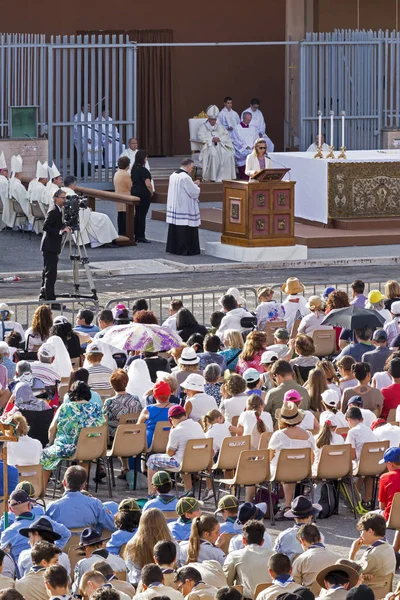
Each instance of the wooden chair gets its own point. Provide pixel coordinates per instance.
(270, 328)
(335, 465)
(264, 440)
(33, 474)
(160, 437)
(368, 464)
(129, 441)
(295, 328)
(252, 470)
(130, 418)
(105, 393)
(324, 341)
(343, 431)
(260, 587)
(197, 458)
(230, 452)
(294, 466)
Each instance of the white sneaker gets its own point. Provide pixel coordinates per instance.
(208, 495)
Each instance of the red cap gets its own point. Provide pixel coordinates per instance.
(378, 422)
(176, 411)
(161, 390)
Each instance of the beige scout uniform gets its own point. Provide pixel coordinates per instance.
(202, 591)
(248, 567)
(6, 582)
(276, 589)
(159, 590)
(32, 586)
(378, 560)
(339, 593)
(307, 566)
(211, 572)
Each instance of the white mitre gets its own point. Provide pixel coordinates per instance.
(212, 111)
(16, 163)
(41, 170)
(3, 164)
(53, 171)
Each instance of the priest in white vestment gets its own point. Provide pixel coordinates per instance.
(36, 189)
(228, 117)
(183, 214)
(4, 183)
(259, 122)
(96, 227)
(17, 190)
(314, 147)
(86, 140)
(110, 139)
(217, 155)
(130, 152)
(243, 138)
(54, 183)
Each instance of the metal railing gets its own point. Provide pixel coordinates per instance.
(24, 309)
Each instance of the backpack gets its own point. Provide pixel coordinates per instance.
(327, 500)
(345, 491)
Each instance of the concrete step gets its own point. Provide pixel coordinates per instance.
(363, 224)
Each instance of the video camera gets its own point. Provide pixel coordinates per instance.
(71, 210)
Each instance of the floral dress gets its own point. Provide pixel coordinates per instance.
(71, 418)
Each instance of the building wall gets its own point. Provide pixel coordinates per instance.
(355, 14)
(201, 76)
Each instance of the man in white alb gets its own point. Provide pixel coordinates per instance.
(109, 136)
(183, 214)
(228, 117)
(17, 190)
(55, 181)
(36, 190)
(87, 140)
(314, 146)
(258, 122)
(217, 155)
(244, 136)
(4, 183)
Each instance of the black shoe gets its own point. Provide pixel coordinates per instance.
(143, 241)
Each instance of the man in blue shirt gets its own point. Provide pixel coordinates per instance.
(83, 322)
(360, 347)
(12, 480)
(75, 509)
(11, 539)
(36, 509)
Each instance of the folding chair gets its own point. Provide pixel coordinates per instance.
(270, 328)
(343, 431)
(37, 214)
(252, 470)
(105, 393)
(18, 214)
(368, 465)
(295, 328)
(130, 418)
(160, 438)
(260, 587)
(294, 466)
(324, 341)
(264, 440)
(230, 452)
(33, 474)
(335, 465)
(197, 458)
(129, 441)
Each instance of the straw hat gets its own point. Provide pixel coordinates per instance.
(351, 573)
(292, 286)
(188, 357)
(290, 414)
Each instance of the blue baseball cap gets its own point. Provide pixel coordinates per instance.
(356, 401)
(328, 290)
(391, 455)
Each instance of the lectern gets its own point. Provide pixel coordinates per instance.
(259, 212)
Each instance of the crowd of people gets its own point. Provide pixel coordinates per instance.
(223, 379)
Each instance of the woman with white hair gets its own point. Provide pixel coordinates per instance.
(258, 159)
(27, 451)
(5, 360)
(376, 301)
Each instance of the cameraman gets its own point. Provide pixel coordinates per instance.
(53, 228)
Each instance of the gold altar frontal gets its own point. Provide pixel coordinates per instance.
(363, 190)
(257, 214)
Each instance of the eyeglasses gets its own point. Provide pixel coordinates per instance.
(262, 147)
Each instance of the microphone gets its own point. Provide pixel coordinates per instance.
(278, 163)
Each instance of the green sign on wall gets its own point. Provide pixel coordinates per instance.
(23, 121)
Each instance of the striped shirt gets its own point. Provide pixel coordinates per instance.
(45, 372)
(99, 377)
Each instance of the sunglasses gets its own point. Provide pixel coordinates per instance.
(262, 147)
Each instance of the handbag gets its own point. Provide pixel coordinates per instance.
(26, 354)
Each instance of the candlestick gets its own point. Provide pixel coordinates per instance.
(332, 114)
(319, 153)
(343, 117)
(331, 147)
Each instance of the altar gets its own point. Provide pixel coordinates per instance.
(364, 186)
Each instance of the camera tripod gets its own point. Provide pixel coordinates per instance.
(78, 256)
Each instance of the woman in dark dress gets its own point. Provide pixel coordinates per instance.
(142, 188)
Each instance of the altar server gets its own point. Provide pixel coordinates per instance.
(258, 121)
(4, 183)
(244, 136)
(17, 189)
(314, 147)
(96, 227)
(54, 183)
(183, 213)
(109, 137)
(228, 117)
(36, 190)
(217, 154)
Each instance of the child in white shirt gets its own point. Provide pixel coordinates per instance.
(254, 421)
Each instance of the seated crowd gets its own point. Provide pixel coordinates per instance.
(265, 384)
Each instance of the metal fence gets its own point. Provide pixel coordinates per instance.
(355, 72)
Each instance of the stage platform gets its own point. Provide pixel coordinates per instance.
(382, 232)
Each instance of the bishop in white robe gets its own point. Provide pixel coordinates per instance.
(17, 190)
(258, 122)
(183, 214)
(243, 138)
(35, 193)
(4, 199)
(96, 228)
(110, 139)
(228, 117)
(314, 147)
(217, 155)
(86, 138)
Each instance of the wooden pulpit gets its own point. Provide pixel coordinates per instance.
(259, 212)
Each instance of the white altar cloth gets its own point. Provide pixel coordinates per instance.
(311, 177)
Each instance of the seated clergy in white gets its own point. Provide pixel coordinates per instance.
(258, 159)
(183, 214)
(17, 190)
(314, 147)
(4, 199)
(259, 122)
(217, 155)
(96, 227)
(228, 117)
(54, 183)
(36, 190)
(243, 137)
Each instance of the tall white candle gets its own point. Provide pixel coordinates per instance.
(343, 116)
(332, 114)
(319, 128)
